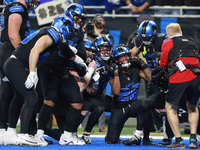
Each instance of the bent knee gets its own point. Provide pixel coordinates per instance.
(49, 103)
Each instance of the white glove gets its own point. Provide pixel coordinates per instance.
(79, 61)
(31, 79)
(74, 50)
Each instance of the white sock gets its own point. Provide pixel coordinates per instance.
(87, 132)
(67, 134)
(138, 133)
(198, 137)
(165, 136)
(40, 132)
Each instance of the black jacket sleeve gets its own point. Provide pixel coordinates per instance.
(81, 50)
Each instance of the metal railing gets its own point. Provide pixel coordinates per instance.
(179, 9)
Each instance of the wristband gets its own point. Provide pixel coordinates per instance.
(89, 73)
(142, 62)
(129, 6)
(116, 74)
(145, 66)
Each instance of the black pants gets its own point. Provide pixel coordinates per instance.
(6, 93)
(24, 100)
(97, 105)
(119, 117)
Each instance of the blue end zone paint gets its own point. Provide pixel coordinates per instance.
(164, 22)
(116, 35)
(98, 143)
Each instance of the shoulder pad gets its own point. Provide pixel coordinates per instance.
(54, 34)
(17, 8)
(138, 41)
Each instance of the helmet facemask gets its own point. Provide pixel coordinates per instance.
(79, 21)
(122, 56)
(123, 60)
(105, 52)
(33, 3)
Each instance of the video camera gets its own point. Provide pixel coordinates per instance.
(89, 29)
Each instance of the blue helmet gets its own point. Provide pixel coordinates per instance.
(75, 9)
(6, 2)
(120, 51)
(63, 24)
(102, 41)
(88, 44)
(33, 4)
(147, 29)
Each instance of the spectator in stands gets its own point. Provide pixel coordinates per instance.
(140, 6)
(91, 2)
(168, 3)
(96, 28)
(191, 3)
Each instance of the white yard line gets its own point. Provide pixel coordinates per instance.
(128, 136)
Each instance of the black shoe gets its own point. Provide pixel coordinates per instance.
(148, 142)
(165, 142)
(133, 140)
(178, 145)
(193, 144)
(120, 141)
(48, 141)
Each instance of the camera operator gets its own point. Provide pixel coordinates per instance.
(96, 27)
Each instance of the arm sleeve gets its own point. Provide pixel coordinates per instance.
(66, 51)
(81, 50)
(138, 41)
(166, 47)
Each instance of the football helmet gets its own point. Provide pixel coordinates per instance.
(33, 3)
(120, 51)
(103, 41)
(147, 29)
(88, 43)
(75, 9)
(63, 24)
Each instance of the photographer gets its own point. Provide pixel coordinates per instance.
(96, 27)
